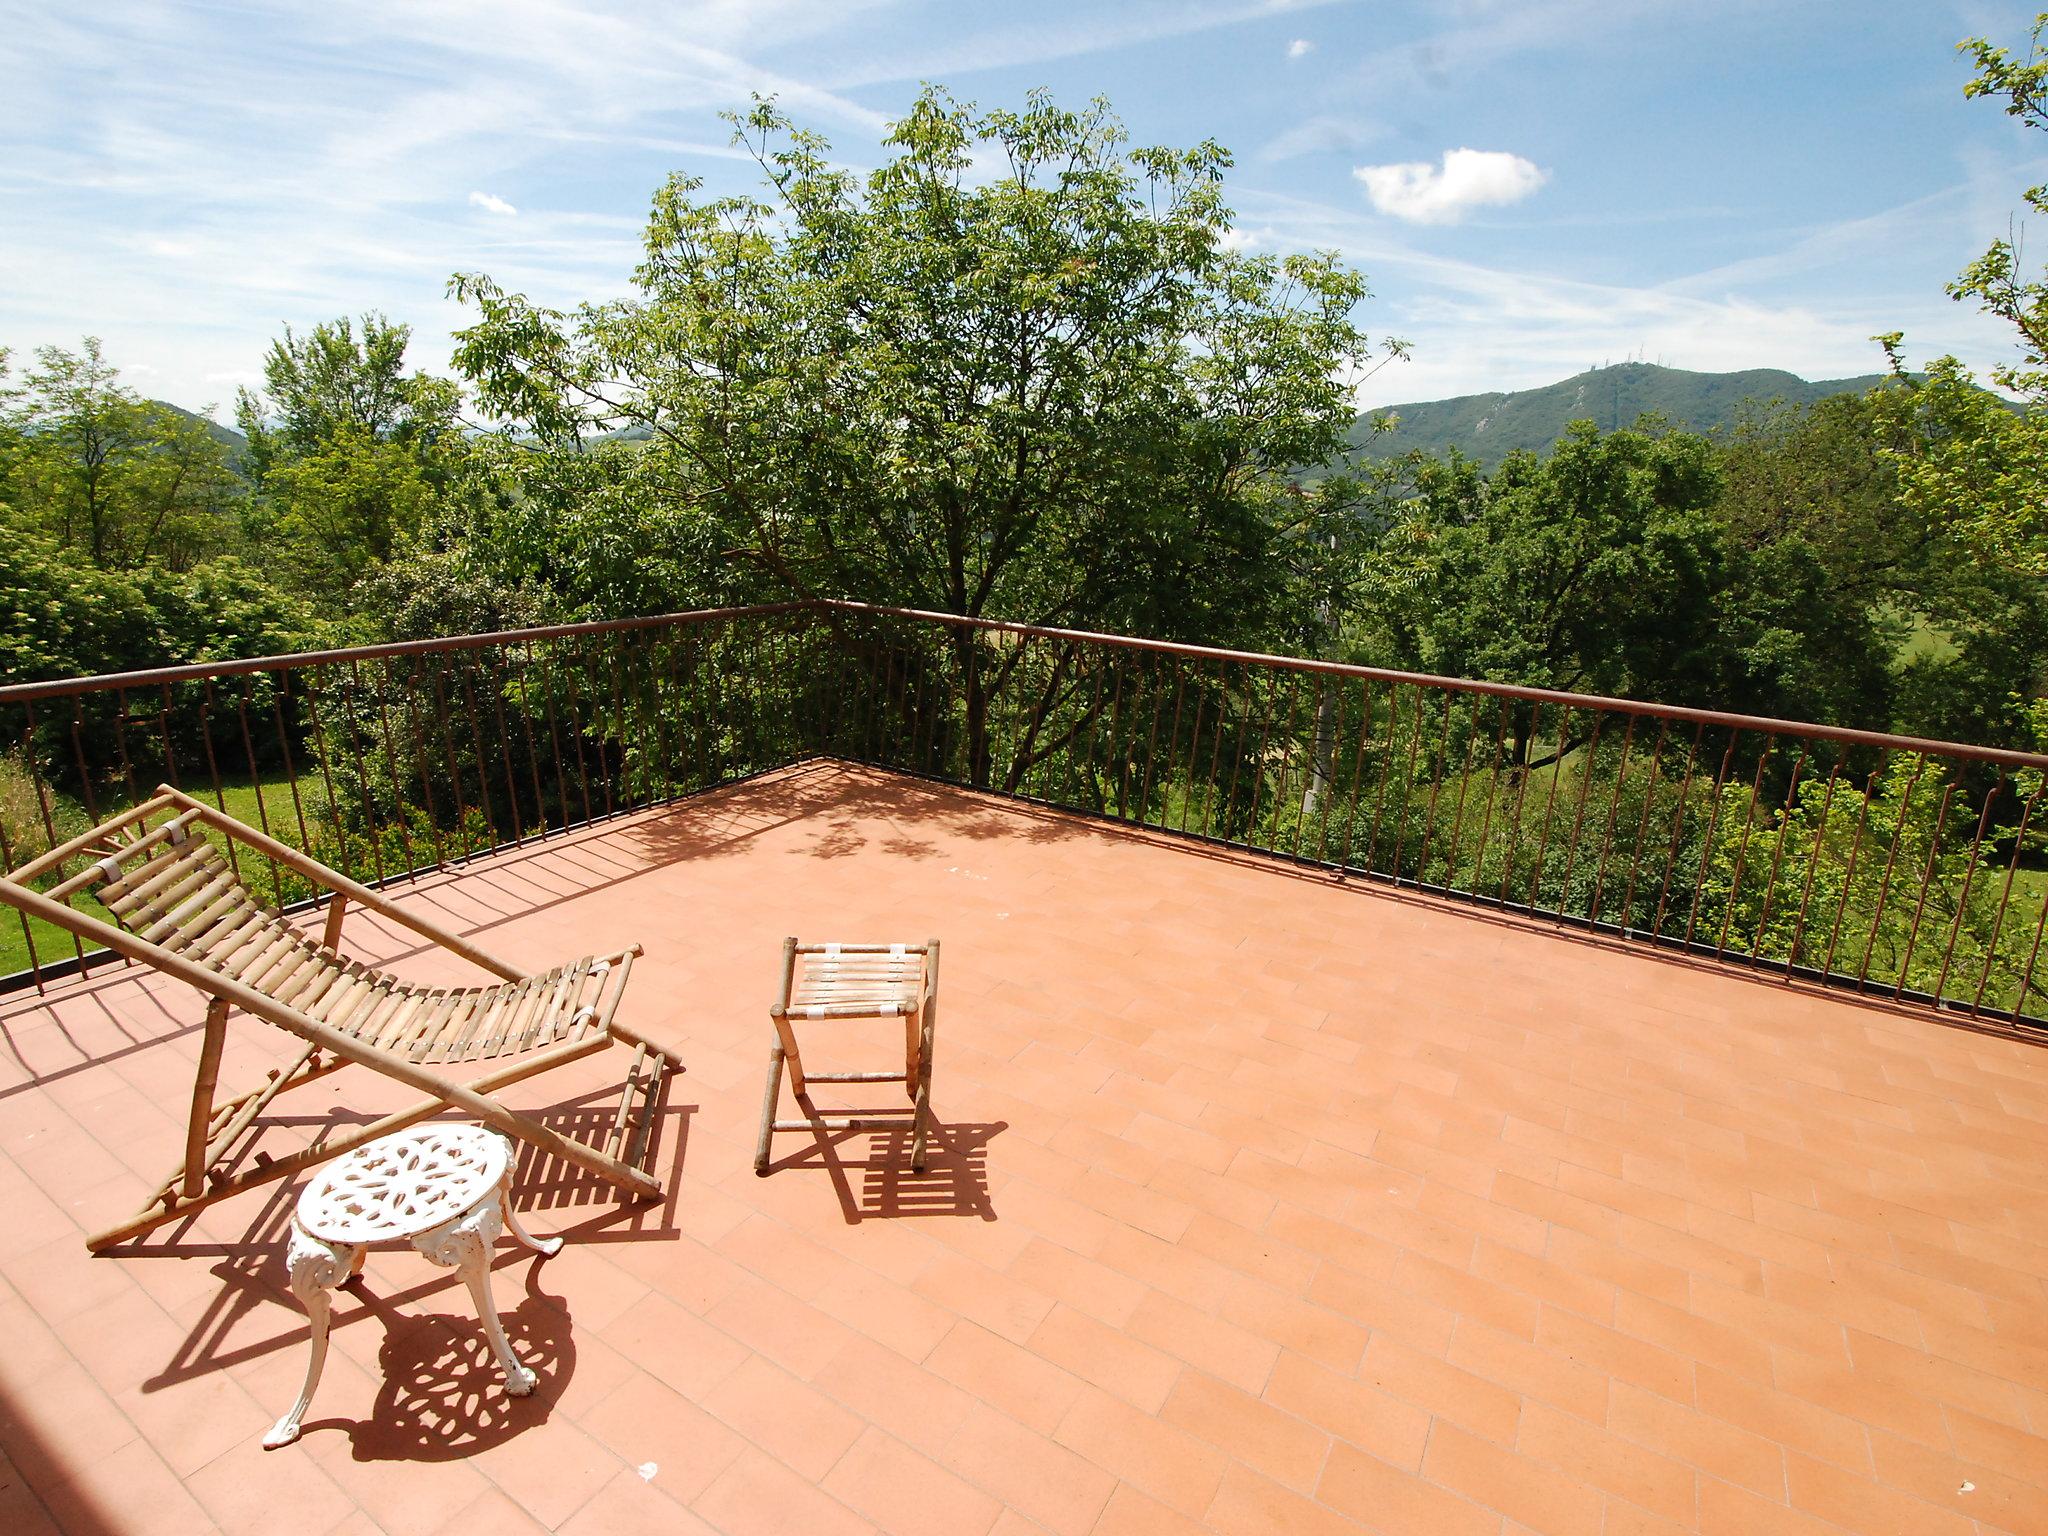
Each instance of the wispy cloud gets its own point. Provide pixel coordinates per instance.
(492, 203)
(1300, 48)
(1467, 179)
(1326, 133)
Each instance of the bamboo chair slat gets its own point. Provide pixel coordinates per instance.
(180, 906)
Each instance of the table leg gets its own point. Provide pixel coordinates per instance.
(464, 1245)
(316, 1268)
(547, 1247)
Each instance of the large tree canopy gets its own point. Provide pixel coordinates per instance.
(1021, 368)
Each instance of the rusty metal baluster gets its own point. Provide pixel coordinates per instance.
(1292, 684)
(1707, 847)
(547, 689)
(256, 785)
(1494, 793)
(1763, 921)
(1152, 742)
(1357, 770)
(1607, 842)
(1969, 874)
(464, 841)
(466, 677)
(1116, 752)
(121, 744)
(497, 675)
(1513, 851)
(92, 809)
(398, 805)
(1408, 785)
(1884, 889)
(43, 796)
(1635, 863)
(1313, 774)
(1827, 967)
(1571, 854)
(163, 725)
(1926, 878)
(1742, 849)
(1194, 751)
(1692, 754)
(344, 858)
(1379, 809)
(1436, 784)
(280, 693)
(2019, 843)
(1251, 825)
(1564, 727)
(28, 937)
(1812, 868)
(371, 829)
(220, 798)
(409, 708)
(1180, 679)
(571, 680)
(516, 669)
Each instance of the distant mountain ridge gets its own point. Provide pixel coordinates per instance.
(227, 437)
(1489, 427)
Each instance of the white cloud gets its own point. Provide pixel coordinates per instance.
(1300, 48)
(491, 203)
(1423, 193)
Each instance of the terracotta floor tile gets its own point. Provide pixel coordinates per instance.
(1250, 1505)
(1392, 1429)
(759, 1496)
(1131, 1513)
(1263, 1203)
(1028, 1471)
(907, 1494)
(1552, 1502)
(1026, 1386)
(1390, 1499)
(646, 1424)
(790, 1419)
(1426, 1382)
(1175, 1468)
(630, 1506)
(1132, 1370)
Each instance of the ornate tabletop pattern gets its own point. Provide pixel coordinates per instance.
(404, 1184)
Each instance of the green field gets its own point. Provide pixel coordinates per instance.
(246, 799)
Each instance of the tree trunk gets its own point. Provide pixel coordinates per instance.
(1320, 772)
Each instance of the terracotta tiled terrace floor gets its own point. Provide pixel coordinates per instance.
(1263, 1205)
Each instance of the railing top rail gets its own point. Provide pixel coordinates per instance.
(105, 682)
(17, 693)
(1760, 724)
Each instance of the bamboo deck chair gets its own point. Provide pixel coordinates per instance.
(182, 909)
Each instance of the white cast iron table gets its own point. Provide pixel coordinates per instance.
(441, 1187)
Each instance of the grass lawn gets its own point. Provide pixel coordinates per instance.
(246, 799)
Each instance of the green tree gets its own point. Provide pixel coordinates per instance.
(349, 454)
(1595, 568)
(121, 480)
(1055, 392)
(1982, 467)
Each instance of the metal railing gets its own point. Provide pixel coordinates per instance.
(1915, 870)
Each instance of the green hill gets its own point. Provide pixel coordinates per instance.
(1489, 427)
(227, 437)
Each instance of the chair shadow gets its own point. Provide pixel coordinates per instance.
(252, 1269)
(954, 1183)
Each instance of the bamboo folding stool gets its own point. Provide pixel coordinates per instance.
(182, 908)
(854, 981)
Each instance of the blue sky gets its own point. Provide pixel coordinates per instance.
(1531, 186)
